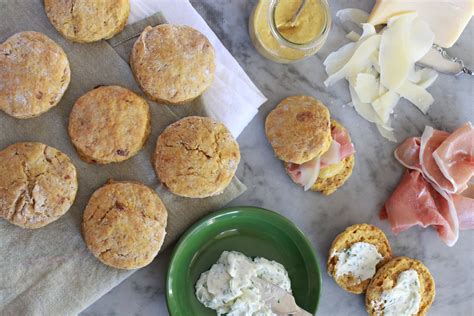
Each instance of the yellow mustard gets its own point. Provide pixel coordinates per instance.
(275, 35)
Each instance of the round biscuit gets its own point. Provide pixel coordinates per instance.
(85, 21)
(387, 276)
(352, 234)
(173, 64)
(34, 74)
(124, 224)
(109, 124)
(299, 129)
(196, 157)
(38, 184)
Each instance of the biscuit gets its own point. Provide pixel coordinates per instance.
(34, 74)
(299, 129)
(38, 184)
(109, 124)
(124, 224)
(196, 157)
(173, 64)
(86, 21)
(387, 276)
(352, 234)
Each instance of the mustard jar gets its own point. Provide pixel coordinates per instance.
(278, 36)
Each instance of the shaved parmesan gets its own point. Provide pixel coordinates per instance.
(305, 174)
(358, 61)
(425, 77)
(387, 132)
(395, 57)
(353, 36)
(336, 60)
(364, 109)
(352, 15)
(367, 87)
(333, 155)
(310, 173)
(385, 104)
(416, 95)
(380, 67)
(367, 30)
(421, 39)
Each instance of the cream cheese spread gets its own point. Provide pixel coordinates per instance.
(359, 260)
(228, 289)
(404, 298)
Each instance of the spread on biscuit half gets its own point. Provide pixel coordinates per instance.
(355, 256)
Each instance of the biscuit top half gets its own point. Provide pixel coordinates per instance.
(299, 129)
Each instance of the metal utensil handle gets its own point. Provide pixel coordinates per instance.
(298, 12)
(445, 54)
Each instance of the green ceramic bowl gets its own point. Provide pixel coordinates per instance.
(252, 231)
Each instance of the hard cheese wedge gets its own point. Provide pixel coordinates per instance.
(446, 18)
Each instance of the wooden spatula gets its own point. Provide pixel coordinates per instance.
(280, 301)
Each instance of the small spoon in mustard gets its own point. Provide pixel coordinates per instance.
(292, 22)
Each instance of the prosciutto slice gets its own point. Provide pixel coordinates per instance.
(340, 142)
(408, 153)
(430, 141)
(465, 209)
(455, 157)
(416, 202)
(436, 189)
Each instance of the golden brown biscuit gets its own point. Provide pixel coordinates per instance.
(173, 64)
(386, 278)
(86, 21)
(357, 233)
(38, 184)
(109, 124)
(34, 74)
(124, 224)
(196, 157)
(299, 129)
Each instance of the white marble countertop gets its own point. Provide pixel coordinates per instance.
(375, 175)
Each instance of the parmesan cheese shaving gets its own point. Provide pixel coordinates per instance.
(380, 67)
(367, 87)
(352, 15)
(310, 173)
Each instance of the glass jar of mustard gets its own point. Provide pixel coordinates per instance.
(279, 37)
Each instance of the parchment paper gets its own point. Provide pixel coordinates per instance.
(49, 271)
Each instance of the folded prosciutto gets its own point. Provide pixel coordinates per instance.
(454, 157)
(436, 189)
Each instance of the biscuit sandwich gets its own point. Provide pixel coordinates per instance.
(355, 256)
(317, 152)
